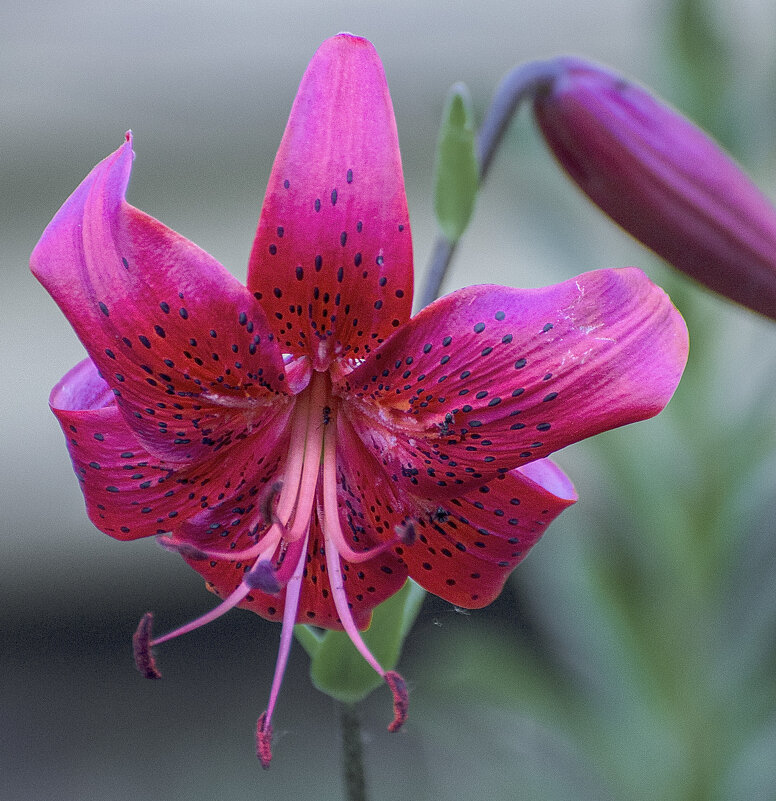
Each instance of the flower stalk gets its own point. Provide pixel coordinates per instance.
(352, 753)
(521, 83)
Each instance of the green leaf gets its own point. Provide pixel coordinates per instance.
(456, 171)
(338, 669)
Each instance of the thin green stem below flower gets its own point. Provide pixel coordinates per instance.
(524, 81)
(352, 754)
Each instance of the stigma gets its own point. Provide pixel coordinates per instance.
(278, 555)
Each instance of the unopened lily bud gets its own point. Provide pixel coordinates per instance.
(663, 180)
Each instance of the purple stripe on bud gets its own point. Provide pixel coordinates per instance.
(663, 180)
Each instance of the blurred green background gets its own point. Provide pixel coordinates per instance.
(632, 655)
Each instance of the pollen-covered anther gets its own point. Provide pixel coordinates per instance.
(267, 504)
(183, 548)
(141, 648)
(264, 740)
(405, 531)
(401, 701)
(262, 577)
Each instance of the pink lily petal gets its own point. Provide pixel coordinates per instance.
(489, 378)
(131, 493)
(368, 496)
(468, 546)
(332, 259)
(183, 345)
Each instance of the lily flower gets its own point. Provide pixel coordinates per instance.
(303, 442)
(661, 178)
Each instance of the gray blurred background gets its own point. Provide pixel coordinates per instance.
(206, 88)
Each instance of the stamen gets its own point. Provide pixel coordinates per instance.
(274, 535)
(228, 603)
(267, 504)
(334, 528)
(264, 740)
(332, 533)
(293, 470)
(290, 607)
(401, 701)
(141, 648)
(312, 459)
(183, 548)
(405, 531)
(262, 577)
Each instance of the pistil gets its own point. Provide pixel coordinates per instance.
(280, 553)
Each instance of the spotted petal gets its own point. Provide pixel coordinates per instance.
(468, 546)
(131, 493)
(183, 345)
(332, 258)
(490, 378)
(462, 548)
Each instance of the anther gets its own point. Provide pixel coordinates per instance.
(262, 577)
(267, 504)
(405, 531)
(401, 701)
(264, 740)
(183, 548)
(141, 648)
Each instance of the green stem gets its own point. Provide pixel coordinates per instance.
(522, 82)
(352, 754)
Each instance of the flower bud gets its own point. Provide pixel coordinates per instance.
(663, 180)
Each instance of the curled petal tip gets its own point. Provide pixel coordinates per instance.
(141, 648)
(264, 741)
(401, 702)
